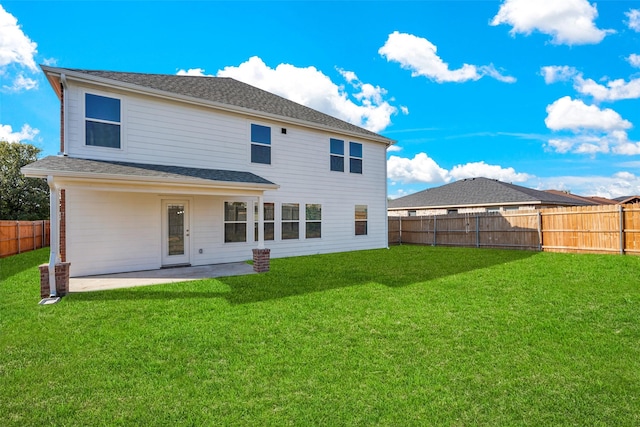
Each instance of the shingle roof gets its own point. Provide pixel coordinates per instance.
(480, 192)
(71, 165)
(228, 91)
(593, 199)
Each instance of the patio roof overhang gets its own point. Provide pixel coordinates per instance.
(137, 177)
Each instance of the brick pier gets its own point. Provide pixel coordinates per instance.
(62, 279)
(261, 260)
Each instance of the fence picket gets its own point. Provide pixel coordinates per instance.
(22, 236)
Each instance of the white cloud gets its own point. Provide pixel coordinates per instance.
(614, 90)
(634, 19)
(593, 130)
(309, 86)
(16, 54)
(20, 83)
(393, 149)
(568, 22)
(27, 133)
(476, 169)
(566, 113)
(558, 73)
(15, 46)
(423, 169)
(634, 60)
(193, 72)
(420, 56)
(617, 185)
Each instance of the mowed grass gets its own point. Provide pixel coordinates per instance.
(400, 337)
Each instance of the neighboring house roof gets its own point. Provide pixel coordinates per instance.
(480, 192)
(221, 92)
(627, 199)
(591, 200)
(74, 167)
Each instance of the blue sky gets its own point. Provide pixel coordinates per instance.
(541, 93)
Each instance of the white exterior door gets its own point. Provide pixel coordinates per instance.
(175, 232)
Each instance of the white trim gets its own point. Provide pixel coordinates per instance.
(83, 100)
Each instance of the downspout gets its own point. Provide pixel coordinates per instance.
(386, 199)
(54, 236)
(63, 121)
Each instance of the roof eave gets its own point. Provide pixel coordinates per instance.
(43, 173)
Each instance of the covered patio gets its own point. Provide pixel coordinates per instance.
(155, 277)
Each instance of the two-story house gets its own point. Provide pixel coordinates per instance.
(163, 170)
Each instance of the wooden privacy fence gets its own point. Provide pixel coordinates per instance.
(22, 236)
(593, 229)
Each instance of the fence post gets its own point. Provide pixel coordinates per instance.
(435, 230)
(400, 230)
(540, 230)
(621, 212)
(43, 233)
(477, 231)
(18, 234)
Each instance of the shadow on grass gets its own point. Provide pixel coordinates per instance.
(396, 267)
(16, 264)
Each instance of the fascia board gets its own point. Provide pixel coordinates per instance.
(101, 178)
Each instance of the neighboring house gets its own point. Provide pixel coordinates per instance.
(627, 200)
(477, 195)
(594, 200)
(164, 170)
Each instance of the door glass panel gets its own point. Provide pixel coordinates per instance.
(175, 221)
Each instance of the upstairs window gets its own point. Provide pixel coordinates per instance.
(102, 121)
(260, 144)
(313, 221)
(355, 157)
(361, 220)
(337, 155)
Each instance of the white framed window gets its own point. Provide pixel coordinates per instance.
(355, 157)
(336, 149)
(361, 218)
(269, 221)
(313, 221)
(235, 222)
(290, 221)
(103, 121)
(260, 144)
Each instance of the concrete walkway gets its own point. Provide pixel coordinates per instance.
(156, 277)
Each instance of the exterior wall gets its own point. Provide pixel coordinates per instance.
(117, 231)
(110, 232)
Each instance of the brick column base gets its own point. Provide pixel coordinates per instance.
(62, 279)
(261, 260)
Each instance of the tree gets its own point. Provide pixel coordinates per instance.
(21, 198)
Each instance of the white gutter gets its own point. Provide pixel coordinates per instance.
(65, 103)
(54, 234)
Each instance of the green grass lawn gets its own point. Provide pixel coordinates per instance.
(406, 336)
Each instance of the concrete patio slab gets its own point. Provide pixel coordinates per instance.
(156, 277)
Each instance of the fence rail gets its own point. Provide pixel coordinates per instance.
(590, 229)
(22, 236)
